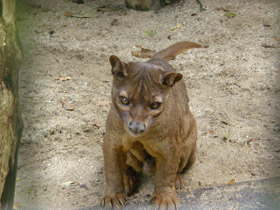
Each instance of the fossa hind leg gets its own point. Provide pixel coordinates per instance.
(138, 161)
(131, 175)
(188, 156)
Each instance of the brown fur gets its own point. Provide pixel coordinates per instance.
(149, 129)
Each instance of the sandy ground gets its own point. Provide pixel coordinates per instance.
(65, 85)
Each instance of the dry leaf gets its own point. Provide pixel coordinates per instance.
(143, 52)
(176, 27)
(67, 106)
(145, 49)
(17, 205)
(250, 140)
(212, 132)
(70, 183)
(268, 46)
(231, 181)
(63, 78)
(221, 8)
(139, 54)
(97, 124)
(276, 38)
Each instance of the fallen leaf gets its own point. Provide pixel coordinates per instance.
(221, 8)
(230, 15)
(144, 49)
(140, 54)
(104, 103)
(70, 183)
(276, 38)
(224, 122)
(63, 78)
(149, 33)
(143, 52)
(66, 105)
(176, 27)
(231, 181)
(68, 14)
(250, 140)
(268, 46)
(226, 136)
(212, 132)
(97, 124)
(17, 205)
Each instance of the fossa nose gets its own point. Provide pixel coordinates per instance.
(137, 127)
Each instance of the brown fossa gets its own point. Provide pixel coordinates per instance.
(149, 129)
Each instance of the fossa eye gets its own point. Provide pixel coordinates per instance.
(155, 105)
(124, 100)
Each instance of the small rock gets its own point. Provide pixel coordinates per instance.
(67, 106)
(84, 186)
(114, 22)
(51, 32)
(277, 128)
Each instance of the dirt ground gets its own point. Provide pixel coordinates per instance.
(65, 85)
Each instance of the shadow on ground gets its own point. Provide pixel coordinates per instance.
(261, 194)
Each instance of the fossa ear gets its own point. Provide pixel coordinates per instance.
(118, 68)
(170, 78)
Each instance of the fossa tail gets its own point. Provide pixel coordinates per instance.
(171, 52)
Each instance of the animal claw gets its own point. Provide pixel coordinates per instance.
(102, 203)
(121, 202)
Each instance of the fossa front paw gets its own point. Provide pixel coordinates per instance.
(114, 202)
(166, 201)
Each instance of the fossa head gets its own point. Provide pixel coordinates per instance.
(140, 93)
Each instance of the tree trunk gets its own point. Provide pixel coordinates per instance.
(10, 116)
(143, 4)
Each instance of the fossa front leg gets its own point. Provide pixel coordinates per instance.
(165, 193)
(114, 166)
